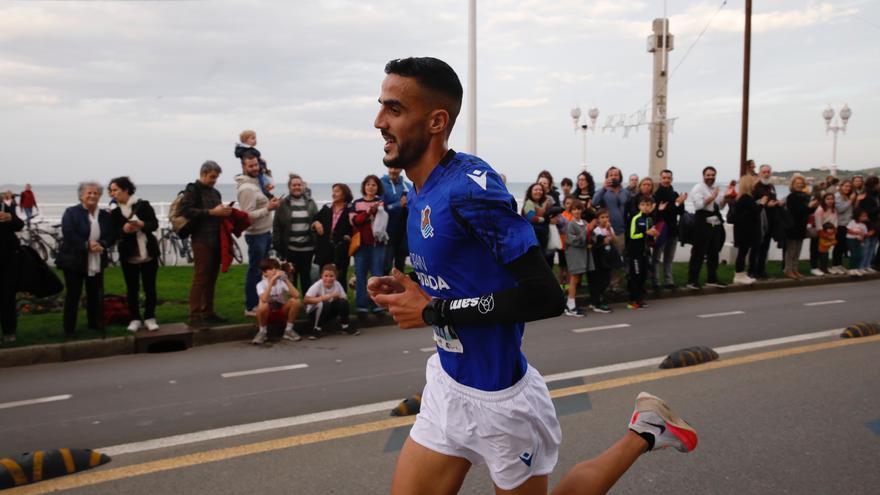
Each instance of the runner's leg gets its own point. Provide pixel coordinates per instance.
(423, 471)
(599, 474)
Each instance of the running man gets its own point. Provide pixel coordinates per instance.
(480, 275)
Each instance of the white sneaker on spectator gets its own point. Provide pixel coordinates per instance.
(250, 312)
(839, 270)
(869, 270)
(816, 272)
(134, 325)
(151, 324)
(741, 278)
(292, 335)
(260, 338)
(854, 272)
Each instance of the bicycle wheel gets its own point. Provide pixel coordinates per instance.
(186, 251)
(167, 251)
(39, 245)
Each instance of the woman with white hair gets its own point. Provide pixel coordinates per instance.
(87, 233)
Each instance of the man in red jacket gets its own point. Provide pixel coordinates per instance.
(28, 203)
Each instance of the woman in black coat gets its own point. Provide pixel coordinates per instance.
(334, 236)
(800, 206)
(9, 244)
(134, 222)
(87, 233)
(746, 227)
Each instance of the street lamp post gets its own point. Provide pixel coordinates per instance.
(593, 114)
(839, 125)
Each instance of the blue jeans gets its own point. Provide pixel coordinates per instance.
(372, 259)
(869, 249)
(258, 250)
(29, 213)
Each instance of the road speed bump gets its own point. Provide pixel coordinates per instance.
(408, 407)
(689, 356)
(863, 329)
(42, 465)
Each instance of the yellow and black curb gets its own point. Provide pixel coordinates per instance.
(689, 356)
(408, 407)
(43, 465)
(864, 329)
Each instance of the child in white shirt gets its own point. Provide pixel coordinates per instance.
(856, 232)
(326, 300)
(277, 295)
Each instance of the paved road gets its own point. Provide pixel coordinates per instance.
(137, 398)
(131, 398)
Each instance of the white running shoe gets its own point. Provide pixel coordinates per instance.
(134, 325)
(869, 270)
(251, 312)
(260, 338)
(151, 324)
(816, 272)
(839, 270)
(653, 420)
(292, 335)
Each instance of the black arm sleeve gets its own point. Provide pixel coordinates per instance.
(536, 296)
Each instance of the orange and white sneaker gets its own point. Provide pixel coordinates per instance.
(654, 421)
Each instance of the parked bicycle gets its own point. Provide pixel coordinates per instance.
(45, 242)
(172, 248)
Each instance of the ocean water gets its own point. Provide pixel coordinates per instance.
(53, 199)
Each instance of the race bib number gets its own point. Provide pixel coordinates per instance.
(447, 339)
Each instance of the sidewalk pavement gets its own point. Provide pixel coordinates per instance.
(180, 337)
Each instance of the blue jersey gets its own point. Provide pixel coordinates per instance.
(463, 228)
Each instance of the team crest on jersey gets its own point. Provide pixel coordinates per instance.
(427, 228)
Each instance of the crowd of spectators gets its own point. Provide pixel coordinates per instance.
(630, 232)
(614, 237)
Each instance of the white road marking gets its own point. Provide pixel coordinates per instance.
(822, 303)
(728, 313)
(782, 340)
(233, 374)
(428, 349)
(28, 402)
(231, 431)
(603, 327)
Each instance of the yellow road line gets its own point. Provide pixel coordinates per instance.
(96, 477)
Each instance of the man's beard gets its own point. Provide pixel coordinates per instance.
(766, 181)
(709, 182)
(407, 154)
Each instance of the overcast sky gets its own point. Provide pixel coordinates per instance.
(94, 89)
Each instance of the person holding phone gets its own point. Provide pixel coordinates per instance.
(134, 221)
(202, 204)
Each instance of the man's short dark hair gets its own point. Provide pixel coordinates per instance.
(434, 75)
(248, 153)
(646, 199)
(125, 184)
(210, 166)
(709, 167)
(666, 171)
(566, 182)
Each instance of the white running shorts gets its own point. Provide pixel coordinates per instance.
(514, 431)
